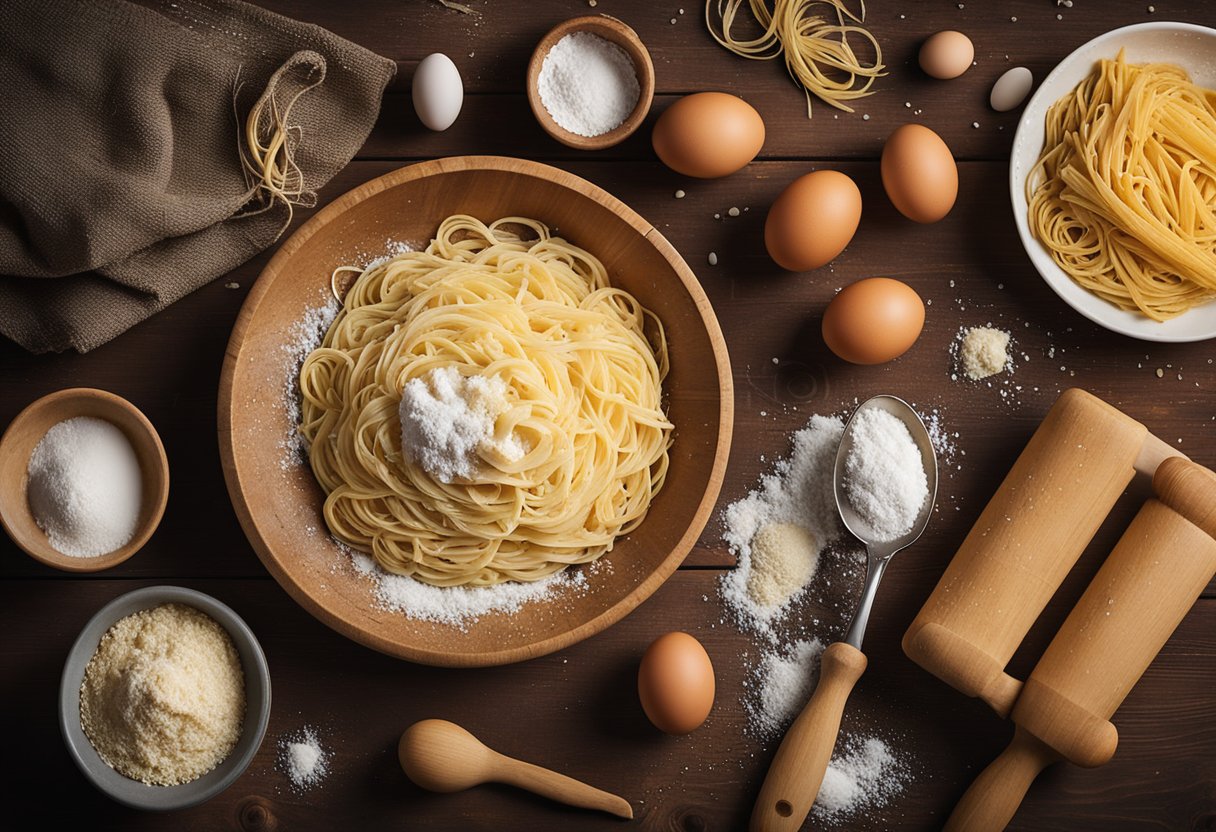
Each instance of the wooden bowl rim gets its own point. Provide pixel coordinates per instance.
(437, 656)
(145, 442)
(623, 35)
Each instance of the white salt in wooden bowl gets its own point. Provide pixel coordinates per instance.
(614, 31)
(279, 502)
(26, 431)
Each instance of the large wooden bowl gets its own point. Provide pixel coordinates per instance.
(279, 503)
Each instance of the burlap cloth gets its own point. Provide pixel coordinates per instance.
(121, 185)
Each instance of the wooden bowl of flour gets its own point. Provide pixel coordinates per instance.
(613, 31)
(26, 431)
(278, 500)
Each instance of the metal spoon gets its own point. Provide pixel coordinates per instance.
(797, 771)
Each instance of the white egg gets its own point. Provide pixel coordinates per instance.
(437, 91)
(1011, 89)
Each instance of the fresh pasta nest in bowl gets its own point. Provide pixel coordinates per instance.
(488, 409)
(1113, 181)
(507, 434)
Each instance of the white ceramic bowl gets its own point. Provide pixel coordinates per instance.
(1189, 46)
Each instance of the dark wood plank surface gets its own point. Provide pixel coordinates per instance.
(577, 710)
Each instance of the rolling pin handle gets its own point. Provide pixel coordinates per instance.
(1001, 694)
(963, 665)
(990, 803)
(1189, 489)
(1154, 452)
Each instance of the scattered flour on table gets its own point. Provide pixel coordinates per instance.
(793, 508)
(799, 492)
(784, 679)
(303, 759)
(945, 441)
(864, 774)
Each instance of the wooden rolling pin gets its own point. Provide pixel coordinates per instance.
(1158, 569)
(1032, 531)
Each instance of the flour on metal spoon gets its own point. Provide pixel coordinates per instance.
(884, 474)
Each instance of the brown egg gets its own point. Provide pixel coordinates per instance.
(812, 220)
(676, 683)
(708, 134)
(947, 54)
(919, 173)
(873, 320)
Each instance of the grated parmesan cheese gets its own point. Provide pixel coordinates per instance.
(784, 559)
(985, 352)
(163, 697)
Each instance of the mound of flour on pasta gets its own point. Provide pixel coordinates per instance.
(448, 421)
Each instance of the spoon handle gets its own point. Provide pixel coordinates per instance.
(559, 787)
(794, 778)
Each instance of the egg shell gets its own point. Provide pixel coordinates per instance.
(708, 134)
(873, 321)
(919, 173)
(1011, 89)
(947, 54)
(437, 91)
(812, 220)
(676, 683)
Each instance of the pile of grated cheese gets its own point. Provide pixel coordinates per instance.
(984, 352)
(163, 697)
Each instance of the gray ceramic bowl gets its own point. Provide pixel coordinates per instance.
(257, 703)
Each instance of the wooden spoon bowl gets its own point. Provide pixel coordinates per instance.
(614, 31)
(24, 434)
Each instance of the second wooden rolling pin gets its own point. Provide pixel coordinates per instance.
(1157, 570)
(1028, 537)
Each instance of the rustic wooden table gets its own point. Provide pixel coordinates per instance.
(577, 710)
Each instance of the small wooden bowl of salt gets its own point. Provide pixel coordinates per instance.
(83, 480)
(590, 82)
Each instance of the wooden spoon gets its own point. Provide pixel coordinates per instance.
(440, 756)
